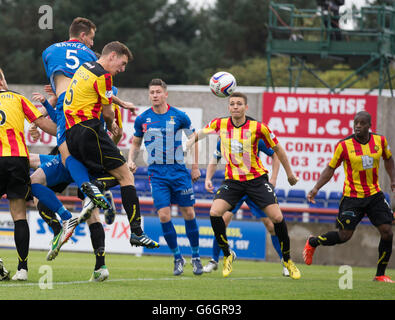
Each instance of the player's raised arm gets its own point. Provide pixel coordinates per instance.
(202, 133)
(125, 104)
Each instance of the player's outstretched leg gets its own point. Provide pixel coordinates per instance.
(68, 227)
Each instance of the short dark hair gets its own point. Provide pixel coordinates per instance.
(364, 114)
(239, 95)
(81, 25)
(158, 82)
(117, 47)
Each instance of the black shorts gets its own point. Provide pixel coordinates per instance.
(89, 143)
(259, 190)
(352, 210)
(15, 178)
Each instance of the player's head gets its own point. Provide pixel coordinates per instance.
(3, 82)
(157, 91)
(362, 123)
(83, 30)
(237, 105)
(114, 57)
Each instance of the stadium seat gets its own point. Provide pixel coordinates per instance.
(280, 193)
(142, 186)
(219, 174)
(320, 200)
(141, 171)
(199, 190)
(334, 199)
(296, 196)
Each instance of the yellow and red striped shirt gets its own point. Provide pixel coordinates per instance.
(239, 146)
(89, 89)
(14, 109)
(361, 164)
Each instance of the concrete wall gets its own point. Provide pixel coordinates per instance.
(386, 126)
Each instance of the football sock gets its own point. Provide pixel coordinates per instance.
(77, 170)
(98, 243)
(22, 239)
(50, 200)
(219, 227)
(192, 231)
(282, 234)
(216, 251)
(49, 217)
(170, 234)
(277, 246)
(131, 204)
(385, 250)
(330, 238)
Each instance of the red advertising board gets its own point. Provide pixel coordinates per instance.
(308, 126)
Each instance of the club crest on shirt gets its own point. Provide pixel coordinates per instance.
(236, 146)
(367, 162)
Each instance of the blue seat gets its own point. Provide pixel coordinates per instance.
(141, 171)
(335, 195)
(296, 196)
(142, 186)
(202, 173)
(280, 193)
(219, 174)
(199, 189)
(333, 205)
(320, 200)
(334, 199)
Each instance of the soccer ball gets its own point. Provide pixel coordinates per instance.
(223, 84)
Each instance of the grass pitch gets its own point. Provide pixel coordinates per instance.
(151, 278)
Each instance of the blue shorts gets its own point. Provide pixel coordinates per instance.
(258, 213)
(60, 120)
(171, 184)
(54, 170)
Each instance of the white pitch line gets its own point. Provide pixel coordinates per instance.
(65, 283)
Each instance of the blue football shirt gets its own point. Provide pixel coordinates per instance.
(163, 134)
(65, 57)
